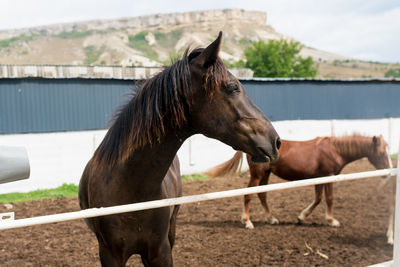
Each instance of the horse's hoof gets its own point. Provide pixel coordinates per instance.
(273, 220)
(334, 223)
(300, 220)
(249, 225)
(390, 236)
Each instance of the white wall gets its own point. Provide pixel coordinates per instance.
(58, 158)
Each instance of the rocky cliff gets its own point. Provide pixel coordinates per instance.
(143, 22)
(152, 41)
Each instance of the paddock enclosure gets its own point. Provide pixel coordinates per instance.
(209, 233)
(62, 120)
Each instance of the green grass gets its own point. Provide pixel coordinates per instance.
(66, 190)
(139, 42)
(173, 57)
(22, 38)
(92, 54)
(393, 156)
(194, 177)
(7, 42)
(168, 40)
(73, 34)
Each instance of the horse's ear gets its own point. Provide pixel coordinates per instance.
(375, 140)
(210, 54)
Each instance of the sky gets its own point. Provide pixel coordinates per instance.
(362, 29)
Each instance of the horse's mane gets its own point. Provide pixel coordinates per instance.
(355, 144)
(159, 103)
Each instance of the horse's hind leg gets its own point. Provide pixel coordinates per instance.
(263, 199)
(329, 205)
(389, 233)
(307, 211)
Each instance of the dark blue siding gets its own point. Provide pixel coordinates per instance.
(46, 105)
(292, 100)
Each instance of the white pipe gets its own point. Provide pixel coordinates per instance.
(94, 212)
(14, 164)
(383, 264)
(396, 246)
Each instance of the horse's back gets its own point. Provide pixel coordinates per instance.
(304, 159)
(331, 162)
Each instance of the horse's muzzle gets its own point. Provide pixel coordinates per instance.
(267, 154)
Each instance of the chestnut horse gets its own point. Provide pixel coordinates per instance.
(322, 156)
(137, 160)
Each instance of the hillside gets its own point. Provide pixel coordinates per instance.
(153, 40)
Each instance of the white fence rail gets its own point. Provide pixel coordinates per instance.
(94, 212)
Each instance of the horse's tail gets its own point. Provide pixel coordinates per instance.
(227, 168)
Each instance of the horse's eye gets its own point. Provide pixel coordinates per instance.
(232, 88)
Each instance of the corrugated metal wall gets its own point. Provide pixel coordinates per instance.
(324, 99)
(46, 105)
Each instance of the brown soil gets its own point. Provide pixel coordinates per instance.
(210, 234)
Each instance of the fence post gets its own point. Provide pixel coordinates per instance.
(332, 128)
(390, 126)
(396, 246)
(191, 162)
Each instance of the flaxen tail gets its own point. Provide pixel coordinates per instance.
(227, 168)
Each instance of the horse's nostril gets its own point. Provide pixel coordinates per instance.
(278, 143)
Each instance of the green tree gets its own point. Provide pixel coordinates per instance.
(279, 59)
(395, 73)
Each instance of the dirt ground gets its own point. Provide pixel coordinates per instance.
(210, 233)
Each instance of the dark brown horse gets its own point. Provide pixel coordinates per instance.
(136, 160)
(322, 156)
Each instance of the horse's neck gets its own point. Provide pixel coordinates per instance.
(351, 149)
(151, 163)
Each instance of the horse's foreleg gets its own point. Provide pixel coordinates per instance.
(108, 258)
(263, 199)
(160, 255)
(245, 219)
(172, 227)
(307, 211)
(246, 207)
(329, 206)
